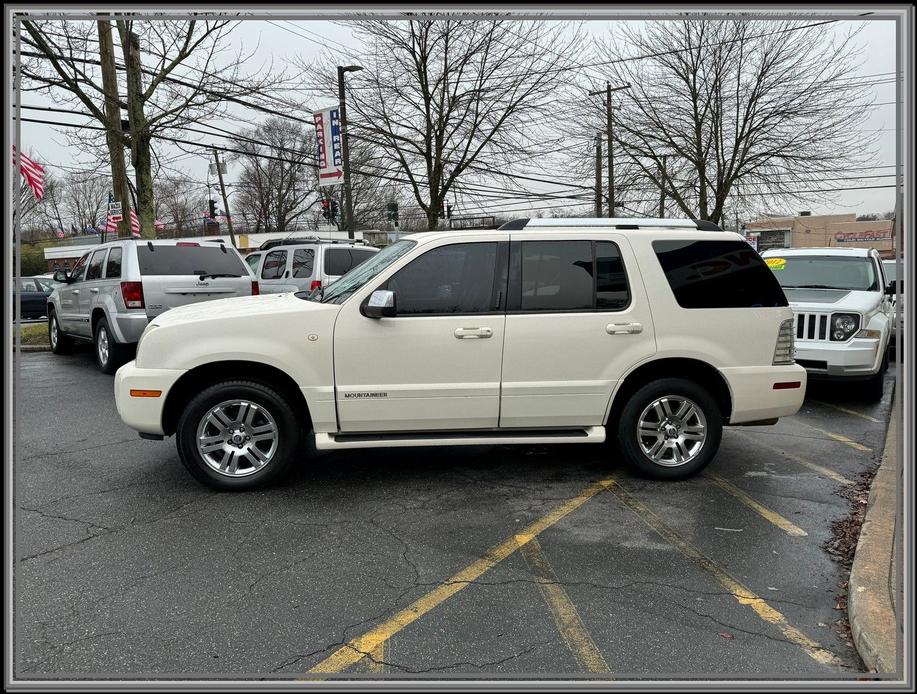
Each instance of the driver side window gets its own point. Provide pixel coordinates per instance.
(79, 270)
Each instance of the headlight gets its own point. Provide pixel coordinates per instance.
(843, 326)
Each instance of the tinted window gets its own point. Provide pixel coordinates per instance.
(611, 293)
(79, 269)
(448, 279)
(274, 265)
(717, 274)
(891, 272)
(557, 275)
(253, 260)
(341, 260)
(113, 266)
(303, 260)
(94, 271)
(189, 260)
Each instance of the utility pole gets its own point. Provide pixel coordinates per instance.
(662, 188)
(216, 159)
(598, 175)
(113, 129)
(609, 134)
(345, 149)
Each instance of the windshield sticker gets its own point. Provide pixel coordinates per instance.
(776, 263)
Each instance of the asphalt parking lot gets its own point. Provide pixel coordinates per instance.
(455, 562)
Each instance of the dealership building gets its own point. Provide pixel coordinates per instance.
(818, 231)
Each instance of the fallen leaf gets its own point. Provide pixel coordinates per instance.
(726, 635)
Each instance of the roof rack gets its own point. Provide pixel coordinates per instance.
(616, 222)
(296, 240)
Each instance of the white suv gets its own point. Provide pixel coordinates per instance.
(292, 265)
(544, 331)
(843, 311)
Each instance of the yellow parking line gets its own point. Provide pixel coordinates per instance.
(743, 595)
(846, 411)
(563, 610)
(376, 660)
(768, 515)
(820, 469)
(837, 437)
(353, 651)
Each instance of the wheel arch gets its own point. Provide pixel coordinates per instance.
(695, 370)
(205, 375)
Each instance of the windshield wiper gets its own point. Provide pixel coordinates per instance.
(216, 275)
(809, 286)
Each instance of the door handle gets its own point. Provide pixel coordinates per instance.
(472, 333)
(624, 328)
(94, 290)
(74, 291)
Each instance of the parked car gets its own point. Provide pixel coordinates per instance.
(656, 332)
(33, 297)
(292, 265)
(890, 267)
(843, 312)
(113, 291)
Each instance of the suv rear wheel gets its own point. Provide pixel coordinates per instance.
(670, 429)
(238, 436)
(109, 354)
(60, 343)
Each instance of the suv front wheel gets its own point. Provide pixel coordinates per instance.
(670, 429)
(238, 435)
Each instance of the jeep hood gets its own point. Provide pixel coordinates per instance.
(829, 299)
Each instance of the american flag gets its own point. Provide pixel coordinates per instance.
(111, 225)
(32, 172)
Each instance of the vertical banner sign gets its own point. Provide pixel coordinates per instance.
(330, 151)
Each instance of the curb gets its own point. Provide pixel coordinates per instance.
(870, 602)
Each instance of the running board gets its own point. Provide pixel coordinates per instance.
(324, 442)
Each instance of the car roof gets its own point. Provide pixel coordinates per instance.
(828, 250)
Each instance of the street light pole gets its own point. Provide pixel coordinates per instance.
(598, 175)
(609, 133)
(345, 150)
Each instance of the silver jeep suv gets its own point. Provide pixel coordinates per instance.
(117, 288)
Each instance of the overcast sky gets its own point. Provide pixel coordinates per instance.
(281, 40)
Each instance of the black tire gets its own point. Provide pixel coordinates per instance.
(271, 401)
(874, 388)
(629, 440)
(60, 343)
(114, 355)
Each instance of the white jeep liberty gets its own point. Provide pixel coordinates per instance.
(655, 331)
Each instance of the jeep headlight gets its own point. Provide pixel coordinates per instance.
(844, 326)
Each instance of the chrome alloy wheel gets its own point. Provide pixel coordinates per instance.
(53, 332)
(102, 345)
(671, 430)
(237, 438)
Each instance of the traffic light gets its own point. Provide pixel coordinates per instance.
(213, 208)
(334, 209)
(326, 209)
(391, 212)
(448, 211)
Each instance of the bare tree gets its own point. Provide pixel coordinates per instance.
(175, 73)
(439, 95)
(720, 112)
(85, 199)
(180, 206)
(276, 186)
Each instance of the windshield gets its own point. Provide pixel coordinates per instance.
(891, 270)
(824, 272)
(352, 281)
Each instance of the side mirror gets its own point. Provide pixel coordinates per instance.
(892, 287)
(61, 276)
(381, 304)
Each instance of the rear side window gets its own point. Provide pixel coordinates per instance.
(718, 274)
(274, 265)
(253, 261)
(303, 261)
(113, 266)
(94, 271)
(339, 261)
(189, 260)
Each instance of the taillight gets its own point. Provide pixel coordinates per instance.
(256, 290)
(316, 284)
(132, 293)
(783, 352)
